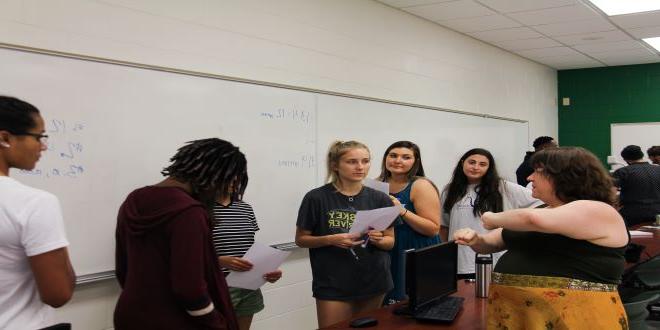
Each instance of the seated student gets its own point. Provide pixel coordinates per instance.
(475, 188)
(165, 264)
(234, 227)
(525, 169)
(654, 154)
(402, 168)
(563, 262)
(35, 270)
(347, 279)
(640, 187)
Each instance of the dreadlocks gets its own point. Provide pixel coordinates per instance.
(210, 164)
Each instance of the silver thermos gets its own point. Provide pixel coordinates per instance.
(483, 266)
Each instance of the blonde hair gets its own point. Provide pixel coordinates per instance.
(336, 150)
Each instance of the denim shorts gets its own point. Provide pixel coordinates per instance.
(246, 302)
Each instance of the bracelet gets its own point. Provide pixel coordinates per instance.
(404, 213)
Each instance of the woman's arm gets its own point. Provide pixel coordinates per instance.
(588, 220)
(488, 243)
(427, 205)
(305, 239)
(54, 276)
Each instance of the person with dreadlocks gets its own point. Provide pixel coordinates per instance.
(165, 263)
(233, 230)
(476, 188)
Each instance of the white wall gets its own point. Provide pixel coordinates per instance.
(357, 47)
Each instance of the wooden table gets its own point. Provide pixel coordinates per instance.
(471, 316)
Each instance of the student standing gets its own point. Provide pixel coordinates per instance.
(234, 227)
(525, 169)
(420, 208)
(476, 188)
(564, 262)
(640, 187)
(347, 278)
(165, 263)
(35, 270)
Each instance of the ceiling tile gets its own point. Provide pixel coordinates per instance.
(574, 27)
(506, 34)
(630, 61)
(483, 23)
(609, 46)
(591, 38)
(555, 15)
(570, 62)
(638, 20)
(511, 6)
(547, 52)
(640, 54)
(450, 10)
(645, 32)
(409, 3)
(523, 44)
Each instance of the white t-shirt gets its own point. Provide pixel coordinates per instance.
(514, 196)
(30, 224)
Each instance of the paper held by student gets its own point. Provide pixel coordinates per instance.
(378, 219)
(264, 259)
(377, 185)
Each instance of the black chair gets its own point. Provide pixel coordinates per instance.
(636, 309)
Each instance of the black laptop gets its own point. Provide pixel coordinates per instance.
(430, 280)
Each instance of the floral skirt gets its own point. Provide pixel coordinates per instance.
(539, 302)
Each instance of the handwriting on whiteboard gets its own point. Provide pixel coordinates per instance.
(304, 161)
(293, 114)
(62, 158)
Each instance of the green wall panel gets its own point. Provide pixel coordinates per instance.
(602, 96)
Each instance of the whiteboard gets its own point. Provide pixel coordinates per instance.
(644, 135)
(114, 127)
(443, 137)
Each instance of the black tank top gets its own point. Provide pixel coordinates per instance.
(540, 254)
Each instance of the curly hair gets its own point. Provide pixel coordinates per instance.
(210, 165)
(575, 174)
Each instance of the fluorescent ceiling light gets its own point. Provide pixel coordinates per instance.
(654, 42)
(620, 7)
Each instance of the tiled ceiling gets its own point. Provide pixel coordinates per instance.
(563, 34)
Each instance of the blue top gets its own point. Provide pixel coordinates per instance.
(405, 238)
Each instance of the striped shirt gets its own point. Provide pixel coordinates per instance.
(234, 227)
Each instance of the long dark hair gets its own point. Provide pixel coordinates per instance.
(417, 170)
(575, 174)
(210, 166)
(489, 197)
(16, 116)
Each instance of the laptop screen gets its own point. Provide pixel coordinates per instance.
(430, 273)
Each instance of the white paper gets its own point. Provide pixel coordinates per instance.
(378, 219)
(377, 185)
(639, 233)
(264, 259)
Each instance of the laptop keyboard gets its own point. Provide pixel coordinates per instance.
(444, 309)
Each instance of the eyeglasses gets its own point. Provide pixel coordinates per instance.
(42, 138)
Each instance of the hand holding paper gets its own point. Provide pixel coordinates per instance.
(378, 219)
(265, 261)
